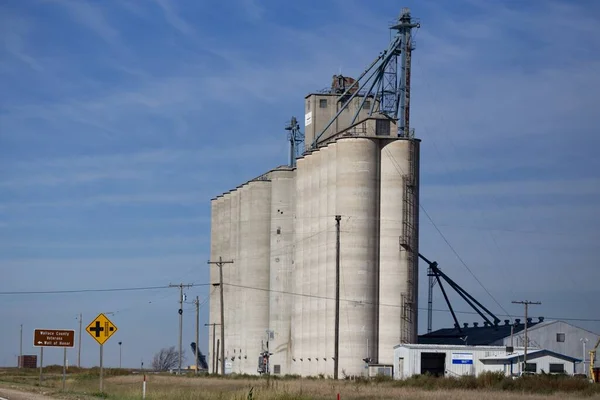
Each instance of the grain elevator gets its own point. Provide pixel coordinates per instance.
(360, 162)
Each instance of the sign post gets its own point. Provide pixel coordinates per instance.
(54, 338)
(101, 329)
(64, 378)
(41, 364)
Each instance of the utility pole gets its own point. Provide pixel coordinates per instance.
(584, 341)
(21, 348)
(197, 303)
(214, 336)
(526, 303)
(220, 264)
(180, 286)
(120, 365)
(79, 343)
(336, 350)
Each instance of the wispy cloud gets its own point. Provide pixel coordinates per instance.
(173, 17)
(13, 33)
(91, 17)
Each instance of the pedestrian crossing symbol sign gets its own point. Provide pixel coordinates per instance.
(101, 329)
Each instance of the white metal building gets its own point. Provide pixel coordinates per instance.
(456, 360)
(557, 336)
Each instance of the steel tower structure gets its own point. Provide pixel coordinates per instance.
(381, 81)
(295, 137)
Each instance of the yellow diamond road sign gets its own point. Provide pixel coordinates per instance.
(101, 329)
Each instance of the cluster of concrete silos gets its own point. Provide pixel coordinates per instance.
(280, 232)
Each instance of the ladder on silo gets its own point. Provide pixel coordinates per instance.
(409, 243)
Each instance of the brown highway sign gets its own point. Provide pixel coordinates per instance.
(54, 338)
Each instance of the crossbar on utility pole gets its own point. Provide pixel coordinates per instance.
(181, 286)
(220, 264)
(526, 303)
(336, 350)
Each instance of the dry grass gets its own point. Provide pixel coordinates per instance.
(84, 385)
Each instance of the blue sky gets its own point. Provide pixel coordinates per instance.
(119, 120)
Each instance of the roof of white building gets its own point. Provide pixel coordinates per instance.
(449, 347)
(518, 355)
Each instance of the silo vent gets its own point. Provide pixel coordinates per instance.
(475, 324)
(541, 319)
(529, 320)
(506, 321)
(466, 324)
(486, 324)
(517, 321)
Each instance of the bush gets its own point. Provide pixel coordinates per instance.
(542, 384)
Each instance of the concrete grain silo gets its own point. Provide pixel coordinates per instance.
(282, 238)
(357, 181)
(298, 269)
(361, 162)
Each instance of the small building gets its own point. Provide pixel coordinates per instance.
(557, 336)
(538, 362)
(459, 360)
(27, 361)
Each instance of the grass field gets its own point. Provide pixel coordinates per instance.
(118, 384)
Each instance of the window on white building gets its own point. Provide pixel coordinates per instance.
(531, 367)
(560, 337)
(557, 368)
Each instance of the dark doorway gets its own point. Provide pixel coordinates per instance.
(433, 363)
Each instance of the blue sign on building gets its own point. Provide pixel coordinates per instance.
(462, 358)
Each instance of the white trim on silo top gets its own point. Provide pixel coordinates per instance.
(282, 235)
(322, 266)
(306, 266)
(358, 204)
(257, 306)
(297, 281)
(393, 267)
(331, 252)
(245, 246)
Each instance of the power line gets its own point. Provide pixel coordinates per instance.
(387, 305)
(401, 172)
(127, 289)
(266, 290)
(462, 261)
